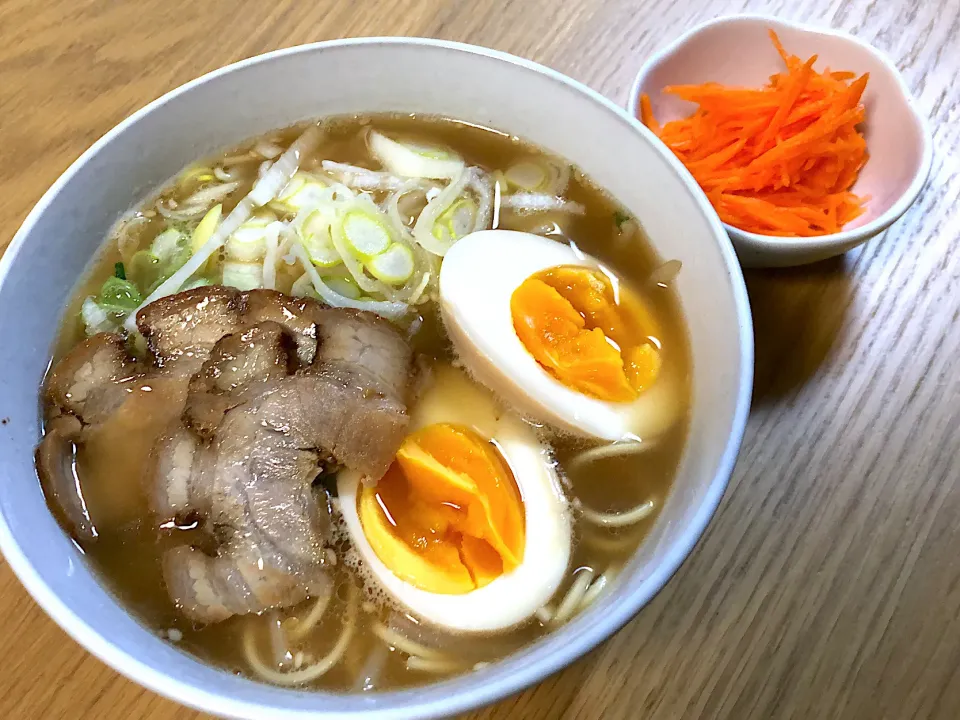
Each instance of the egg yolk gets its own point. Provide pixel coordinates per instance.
(447, 517)
(590, 338)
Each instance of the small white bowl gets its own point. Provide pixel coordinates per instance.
(737, 50)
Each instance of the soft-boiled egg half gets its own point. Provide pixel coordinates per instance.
(540, 323)
(469, 529)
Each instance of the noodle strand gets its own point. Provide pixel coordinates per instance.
(320, 668)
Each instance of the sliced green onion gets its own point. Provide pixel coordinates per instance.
(410, 159)
(248, 243)
(322, 252)
(365, 233)
(167, 244)
(118, 295)
(293, 187)
(168, 252)
(390, 310)
(315, 235)
(527, 175)
(343, 285)
(393, 266)
(456, 221)
(353, 263)
(243, 276)
(144, 268)
(205, 229)
(302, 191)
(425, 227)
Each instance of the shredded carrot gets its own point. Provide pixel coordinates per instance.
(779, 160)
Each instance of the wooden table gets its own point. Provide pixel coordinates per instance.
(828, 584)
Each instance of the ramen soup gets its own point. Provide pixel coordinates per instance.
(366, 403)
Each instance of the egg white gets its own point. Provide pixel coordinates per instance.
(477, 279)
(515, 596)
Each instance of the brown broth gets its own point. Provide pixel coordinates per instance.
(126, 554)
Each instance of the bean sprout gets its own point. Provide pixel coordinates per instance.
(361, 178)
(223, 175)
(186, 215)
(267, 149)
(392, 203)
(423, 228)
(127, 240)
(240, 159)
(389, 310)
(208, 196)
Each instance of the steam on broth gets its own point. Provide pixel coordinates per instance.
(372, 497)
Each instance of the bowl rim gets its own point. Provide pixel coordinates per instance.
(409, 705)
(844, 238)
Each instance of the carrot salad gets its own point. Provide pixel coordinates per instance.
(779, 160)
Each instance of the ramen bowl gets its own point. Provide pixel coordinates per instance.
(474, 85)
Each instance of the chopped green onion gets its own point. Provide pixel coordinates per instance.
(302, 191)
(118, 295)
(394, 266)
(526, 175)
(456, 221)
(315, 235)
(365, 233)
(167, 244)
(243, 276)
(249, 241)
(343, 285)
(322, 252)
(144, 268)
(388, 309)
(620, 218)
(409, 159)
(168, 252)
(118, 271)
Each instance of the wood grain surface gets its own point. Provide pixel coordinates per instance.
(828, 584)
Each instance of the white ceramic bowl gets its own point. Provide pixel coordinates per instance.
(736, 50)
(61, 235)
